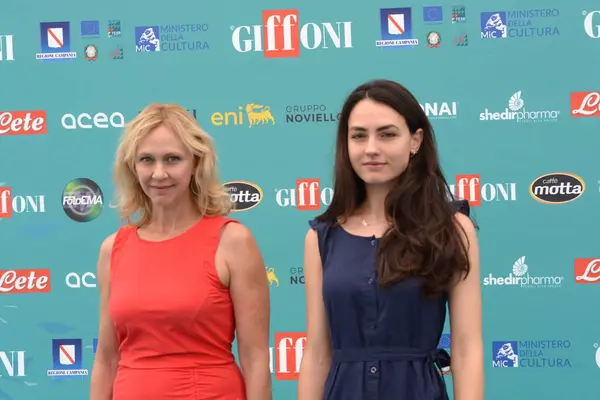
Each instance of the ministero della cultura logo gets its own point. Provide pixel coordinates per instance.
(520, 276)
(516, 111)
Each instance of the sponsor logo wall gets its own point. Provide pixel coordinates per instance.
(509, 91)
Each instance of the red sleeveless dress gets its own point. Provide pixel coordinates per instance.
(173, 317)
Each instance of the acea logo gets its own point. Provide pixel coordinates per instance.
(519, 23)
(255, 114)
(245, 195)
(98, 120)
(77, 281)
(82, 200)
(520, 277)
(530, 354)
(517, 112)
(176, 37)
(557, 188)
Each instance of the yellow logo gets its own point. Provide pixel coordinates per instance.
(271, 276)
(256, 114)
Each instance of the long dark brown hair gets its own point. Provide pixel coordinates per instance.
(425, 240)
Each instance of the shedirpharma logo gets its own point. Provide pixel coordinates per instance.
(519, 23)
(178, 37)
(530, 354)
(309, 113)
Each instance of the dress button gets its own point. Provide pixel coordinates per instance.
(372, 326)
(370, 281)
(373, 370)
(372, 242)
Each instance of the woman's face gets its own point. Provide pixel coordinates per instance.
(164, 167)
(379, 142)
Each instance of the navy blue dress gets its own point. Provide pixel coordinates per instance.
(384, 342)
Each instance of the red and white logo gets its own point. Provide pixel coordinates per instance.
(585, 104)
(289, 348)
(283, 35)
(587, 270)
(24, 281)
(19, 204)
(22, 122)
(308, 195)
(469, 187)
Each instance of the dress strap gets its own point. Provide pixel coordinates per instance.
(323, 229)
(461, 206)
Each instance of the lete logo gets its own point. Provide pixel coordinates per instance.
(585, 104)
(557, 188)
(99, 120)
(25, 281)
(22, 122)
(587, 270)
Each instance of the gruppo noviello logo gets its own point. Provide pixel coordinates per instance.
(396, 28)
(171, 38)
(82, 200)
(519, 23)
(255, 114)
(309, 113)
(55, 42)
(516, 111)
(530, 354)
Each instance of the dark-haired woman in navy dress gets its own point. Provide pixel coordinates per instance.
(384, 261)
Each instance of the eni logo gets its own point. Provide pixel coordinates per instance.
(255, 114)
(557, 188)
(272, 278)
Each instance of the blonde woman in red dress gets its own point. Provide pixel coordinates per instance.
(180, 281)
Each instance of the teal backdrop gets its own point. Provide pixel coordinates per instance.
(511, 88)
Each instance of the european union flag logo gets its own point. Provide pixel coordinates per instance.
(433, 14)
(90, 28)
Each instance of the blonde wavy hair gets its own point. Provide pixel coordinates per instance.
(209, 194)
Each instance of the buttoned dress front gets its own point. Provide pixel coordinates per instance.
(384, 341)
